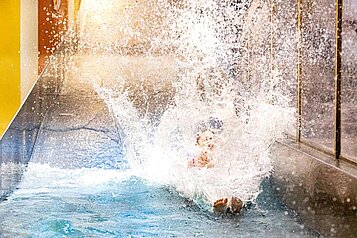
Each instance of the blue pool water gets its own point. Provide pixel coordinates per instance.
(52, 202)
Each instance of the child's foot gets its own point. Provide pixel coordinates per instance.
(220, 205)
(236, 205)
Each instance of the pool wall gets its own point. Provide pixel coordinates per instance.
(321, 191)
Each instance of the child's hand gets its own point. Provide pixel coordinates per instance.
(191, 163)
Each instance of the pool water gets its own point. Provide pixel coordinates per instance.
(53, 202)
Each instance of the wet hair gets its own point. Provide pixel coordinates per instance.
(214, 124)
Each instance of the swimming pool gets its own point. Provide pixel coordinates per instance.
(78, 184)
(94, 202)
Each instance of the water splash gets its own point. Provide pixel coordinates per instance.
(200, 47)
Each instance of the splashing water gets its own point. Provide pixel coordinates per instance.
(175, 66)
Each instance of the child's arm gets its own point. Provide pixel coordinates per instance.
(210, 165)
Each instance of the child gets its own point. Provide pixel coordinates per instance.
(205, 141)
(207, 148)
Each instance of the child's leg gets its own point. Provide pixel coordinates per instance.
(235, 205)
(221, 205)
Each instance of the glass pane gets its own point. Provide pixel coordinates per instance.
(349, 81)
(318, 72)
(285, 45)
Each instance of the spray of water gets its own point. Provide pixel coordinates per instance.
(175, 67)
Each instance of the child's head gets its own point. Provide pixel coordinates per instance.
(215, 125)
(205, 138)
(207, 130)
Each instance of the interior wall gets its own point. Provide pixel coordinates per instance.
(71, 14)
(29, 46)
(52, 24)
(77, 4)
(130, 23)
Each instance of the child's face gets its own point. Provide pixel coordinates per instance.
(205, 139)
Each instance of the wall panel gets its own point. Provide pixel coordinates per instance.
(9, 61)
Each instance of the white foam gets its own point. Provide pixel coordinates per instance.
(201, 41)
